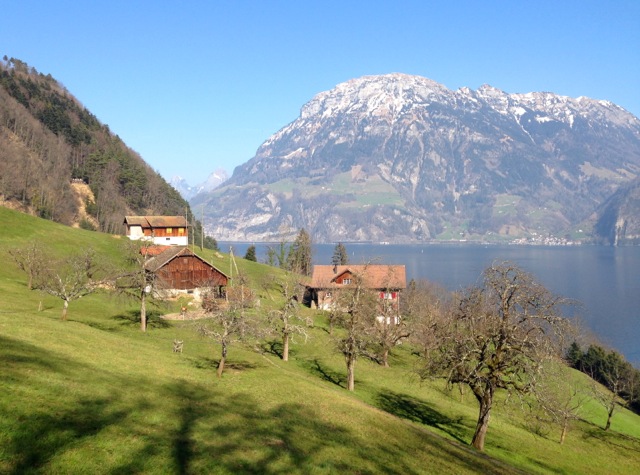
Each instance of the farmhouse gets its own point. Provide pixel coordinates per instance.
(162, 230)
(178, 269)
(326, 281)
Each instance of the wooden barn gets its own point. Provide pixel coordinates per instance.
(162, 230)
(326, 281)
(177, 268)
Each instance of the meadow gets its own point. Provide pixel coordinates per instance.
(94, 394)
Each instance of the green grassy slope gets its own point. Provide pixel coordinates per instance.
(95, 395)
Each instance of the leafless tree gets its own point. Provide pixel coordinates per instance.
(30, 259)
(354, 308)
(499, 337)
(72, 277)
(287, 320)
(559, 397)
(232, 323)
(390, 326)
(613, 384)
(425, 304)
(134, 281)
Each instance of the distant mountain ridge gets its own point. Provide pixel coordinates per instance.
(188, 191)
(401, 158)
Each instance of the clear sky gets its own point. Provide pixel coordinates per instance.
(198, 85)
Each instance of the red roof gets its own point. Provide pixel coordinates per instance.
(153, 250)
(375, 276)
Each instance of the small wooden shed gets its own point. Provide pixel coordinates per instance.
(179, 268)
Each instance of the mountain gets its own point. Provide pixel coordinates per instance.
(214, 180)
(618, 221)
(402, 158)
(59, 162)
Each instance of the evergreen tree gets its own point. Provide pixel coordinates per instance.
(250, 255)
(574, 355)
(299, 259)
(340, 257)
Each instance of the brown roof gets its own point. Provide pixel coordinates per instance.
(376, 276)
(156, 221)
(171, 253)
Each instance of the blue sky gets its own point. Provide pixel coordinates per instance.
(198, 85)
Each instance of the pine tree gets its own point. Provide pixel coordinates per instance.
(250, 255)
(340, 257)
(300, 254)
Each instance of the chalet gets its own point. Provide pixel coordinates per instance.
(177, 269)
(326, 281)
(162, 230)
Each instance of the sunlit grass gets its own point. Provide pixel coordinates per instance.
(96, 395)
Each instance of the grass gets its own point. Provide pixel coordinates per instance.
(95, 395)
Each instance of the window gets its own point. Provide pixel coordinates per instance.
(346, 281)
(180, 231)
(169, 230)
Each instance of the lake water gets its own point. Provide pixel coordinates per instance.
(605, 280)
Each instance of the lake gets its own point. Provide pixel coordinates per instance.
(605, 280)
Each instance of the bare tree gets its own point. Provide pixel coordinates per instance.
(560, 396)
(389, 328)
(135, 281)
(499, 337)
(71, 278)
(354, 310)
(287, 321)
(613, 383)
(425, 304)
(30, 259)
(231, 324)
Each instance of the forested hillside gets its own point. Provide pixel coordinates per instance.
(48, 140)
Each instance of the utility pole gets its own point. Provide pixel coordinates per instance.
(202, 228)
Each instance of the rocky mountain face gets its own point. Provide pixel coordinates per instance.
(188, 191)
(402, 158)
(618, 220)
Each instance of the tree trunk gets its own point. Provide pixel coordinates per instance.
(143, 311)
(565, 429)
(385, 357)
(485, 400)
(610, 415)
(285, 347)
(351, 373)
(222, 360)
(65, 306)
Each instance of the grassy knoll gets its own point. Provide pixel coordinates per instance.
(95, 395)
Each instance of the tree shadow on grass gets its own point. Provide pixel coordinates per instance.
(612, 438)
(132, 318)
(276, 348)
(19, 359)
(413, 409)
(273, 347)
(48, 433)
(212, 364)
(49, 427)
(316, 368)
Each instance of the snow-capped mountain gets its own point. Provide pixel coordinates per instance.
(188, 191)
(402, 158)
